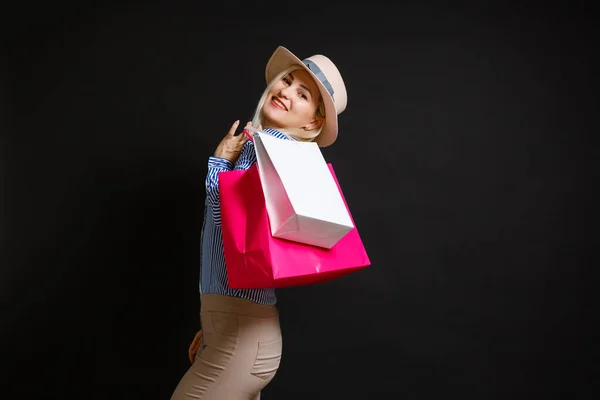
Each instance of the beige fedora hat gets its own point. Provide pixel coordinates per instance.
(329, 80)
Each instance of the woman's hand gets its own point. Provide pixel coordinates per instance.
(231, 145)
(194, 346)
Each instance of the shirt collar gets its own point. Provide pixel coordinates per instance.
(278, 134)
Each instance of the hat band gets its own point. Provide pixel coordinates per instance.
(314, 68)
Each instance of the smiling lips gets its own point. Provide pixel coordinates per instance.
(277, 103)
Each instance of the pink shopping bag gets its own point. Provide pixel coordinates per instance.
(256, 259)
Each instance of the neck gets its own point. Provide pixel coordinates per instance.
(277, 128)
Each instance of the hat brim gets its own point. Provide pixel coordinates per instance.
(281, 59)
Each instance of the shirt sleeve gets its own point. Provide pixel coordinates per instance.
(217, 165)
(247, 158)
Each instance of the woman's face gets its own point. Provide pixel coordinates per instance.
(292, 102)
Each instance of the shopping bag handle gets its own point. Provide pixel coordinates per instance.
(253, 129)
(245, 131)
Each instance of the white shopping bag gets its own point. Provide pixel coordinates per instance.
(302, 199)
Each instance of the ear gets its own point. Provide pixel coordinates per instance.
(314, 124)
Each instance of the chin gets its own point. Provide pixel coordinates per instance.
(271, 117)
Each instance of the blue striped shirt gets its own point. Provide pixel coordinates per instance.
(213, 274)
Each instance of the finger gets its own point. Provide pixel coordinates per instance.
(197, 343)
(193, 345)
(248, 124)
(247, 134)
(196, 340)
(251, 134)
(192, 353)
(233, 128)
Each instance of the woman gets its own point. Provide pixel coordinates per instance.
(238, 351)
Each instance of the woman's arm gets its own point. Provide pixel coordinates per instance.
(232, 150)
(215, 166)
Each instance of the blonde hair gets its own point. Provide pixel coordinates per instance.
(296, 133)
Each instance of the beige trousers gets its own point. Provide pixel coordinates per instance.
(239, 354)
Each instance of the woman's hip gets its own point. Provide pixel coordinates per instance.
(226, 317)
(240, 337)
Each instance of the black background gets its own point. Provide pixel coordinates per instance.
(467, 156)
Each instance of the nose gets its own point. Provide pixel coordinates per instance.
(284, 92)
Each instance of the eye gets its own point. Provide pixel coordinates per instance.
(286, 80)
(303, 96)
